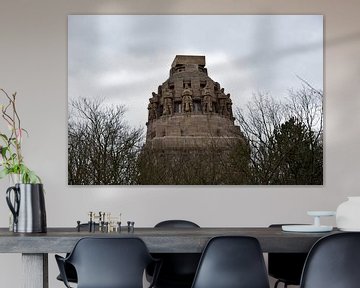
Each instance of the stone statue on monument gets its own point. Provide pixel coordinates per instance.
(168, 105)
(187, 99)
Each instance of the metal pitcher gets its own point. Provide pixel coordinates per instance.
(28, 207)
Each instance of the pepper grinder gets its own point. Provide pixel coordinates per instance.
(90, 221)
(78, 226)
(130, 226)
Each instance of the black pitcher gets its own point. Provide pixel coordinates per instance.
(28, 207)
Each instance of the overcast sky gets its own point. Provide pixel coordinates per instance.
(124, 58)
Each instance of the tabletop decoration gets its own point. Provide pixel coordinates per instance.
(315, 227)
(25, 197)
(348, 214)
(12, 161)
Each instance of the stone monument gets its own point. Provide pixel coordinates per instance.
(191, 136)
(190, 110)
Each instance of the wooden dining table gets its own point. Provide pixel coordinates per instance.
(35, 247)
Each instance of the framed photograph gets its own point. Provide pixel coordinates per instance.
(195, 100)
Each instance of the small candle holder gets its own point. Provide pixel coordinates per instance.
(316, 227)
(318, 214)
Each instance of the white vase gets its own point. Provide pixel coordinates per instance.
(348, 214)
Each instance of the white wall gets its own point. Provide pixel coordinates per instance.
(33, 62)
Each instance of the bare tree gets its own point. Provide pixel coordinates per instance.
(306, 105)
(262, 122)
(257, 121)
(102, 148)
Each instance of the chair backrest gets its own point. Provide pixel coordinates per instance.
(286, 266)
(232, 262)
(110, 262)
(333, 262)
(178, 269)
(176, 224)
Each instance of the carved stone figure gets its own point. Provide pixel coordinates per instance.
(187, 103)
(168, 105)
(222, 93)
(229, 106)
(222, 102)
(206, 90)
(187, 99)
(152, 107)
(223, 109)
(207, 104)
(207, 99)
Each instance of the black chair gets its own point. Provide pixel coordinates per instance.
(178, 269)
(69, 269)
(108, 262)
(176, 224)
(333, 262)
(286, 267)
(232, 262)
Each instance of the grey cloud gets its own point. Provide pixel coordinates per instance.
(265, 51)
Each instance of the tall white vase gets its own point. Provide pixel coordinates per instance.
(348, 214)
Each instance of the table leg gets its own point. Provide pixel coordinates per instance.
(35, 270)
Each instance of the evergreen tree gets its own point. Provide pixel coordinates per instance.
(296, 155)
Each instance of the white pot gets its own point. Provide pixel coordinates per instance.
(348, 215)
